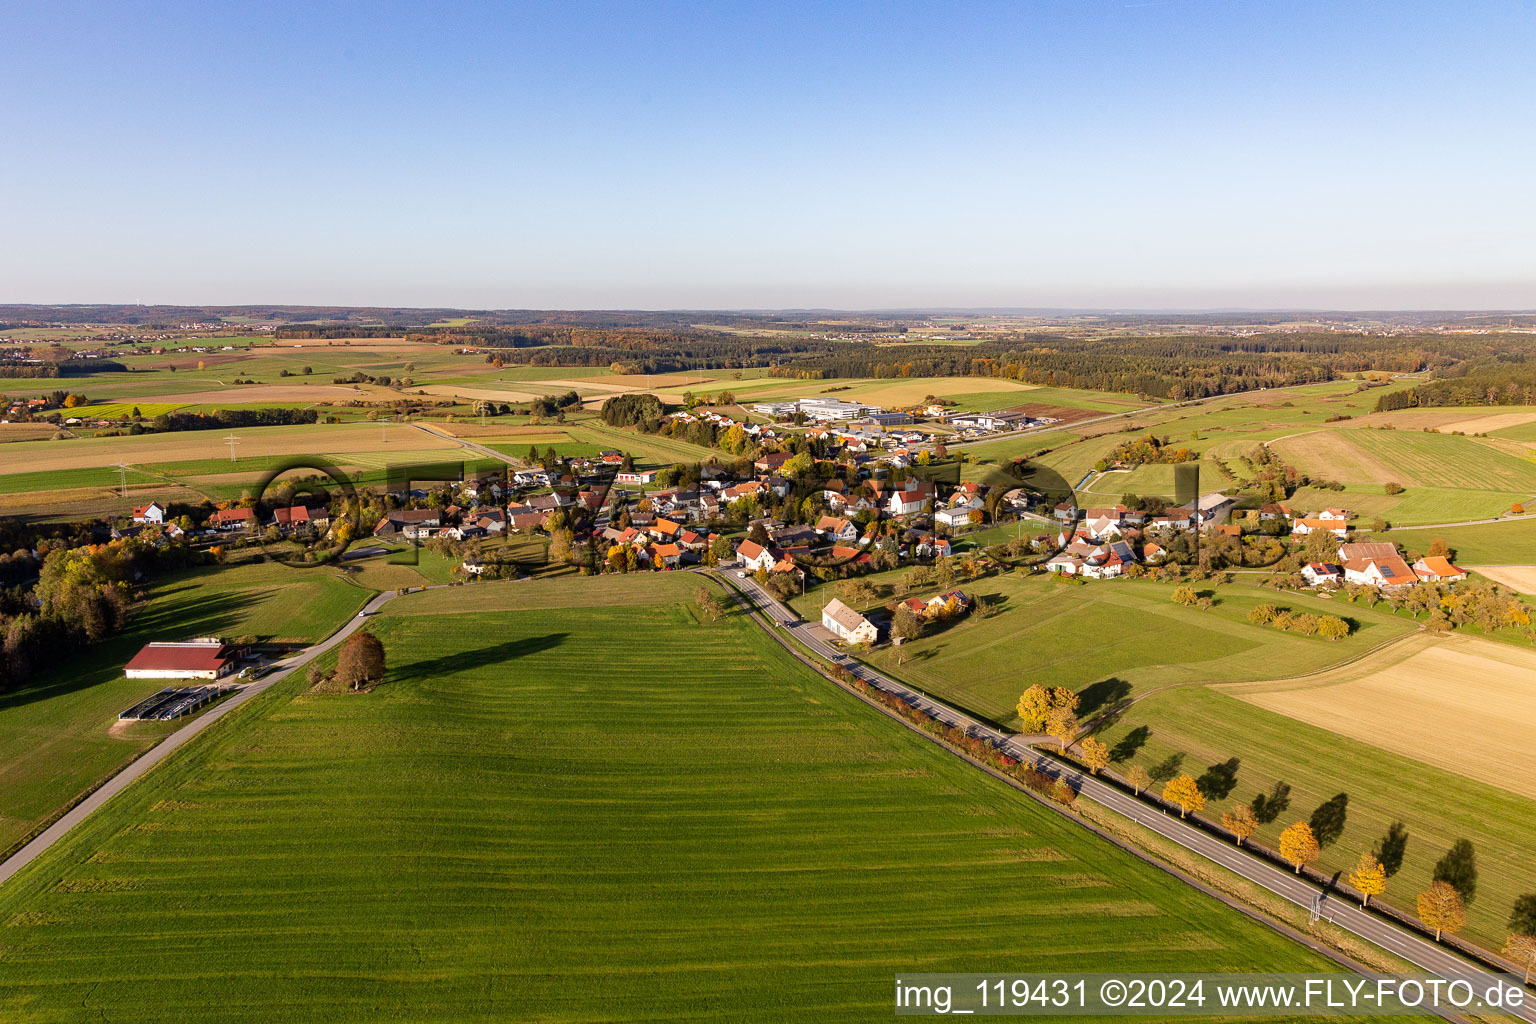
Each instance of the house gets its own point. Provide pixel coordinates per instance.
(772, 462)
(300, 518)
(1273, 511)
(961, 601)
(666, 554)
(1319, 573)
(929, 545)
(1101, 526)
(1380, 572)
(636, 476)
(206, 658)
(847, 624)
(154, 512)
(754, 556)
(950, 518)
(1173, 520)
(408, 522)
(1227, 530)
(1066, 512)
(749, 489)
(1438, 569)
(527, 522)
(836, 529)
(1341, 514)
(664, 530)
(228, 519)
(1151, 552)
(1337, 527)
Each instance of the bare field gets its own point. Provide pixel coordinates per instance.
(189, 445)
(1463, 704)
(1326, 455)
(26, 431)
(261, 394)
(1519, 578)
(1469, 420)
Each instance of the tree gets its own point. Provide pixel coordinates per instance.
(1438, 548)
(707, 602)
(906, 625)
(1369, 877)
(1181, 790)
(1034, 706)
(1061, 726)
(1298, 845)
(1241, 822)
(1138, 779)
(1185, 595)
(361, 660)
(1440, 908)
(1458, 869)
(1095, 754)
(1522, 918)
(1521, 950)
(1331, 627)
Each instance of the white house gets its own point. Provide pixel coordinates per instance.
(754, 556)
(1320, 573)
(154, 512)
(1337, 527)
(848, 624)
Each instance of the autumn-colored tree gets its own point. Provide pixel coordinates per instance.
(1331, 627)
(1185, 595)
(1299, 846)
(1241, 822)
(1521, 950)
(1440, 908)
(1063, 793)
(1438, 548)
(1181, 790)
(1095, 754)
(1138, 778)
(361, 660)
(1369, 877)
(1064, 697)
(1034, 705)
(1061, 726)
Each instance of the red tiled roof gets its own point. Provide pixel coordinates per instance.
(181, 657)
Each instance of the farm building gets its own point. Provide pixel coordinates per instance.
(848, 624)
(195, 659)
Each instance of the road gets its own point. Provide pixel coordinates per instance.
(159, 752)
(1344, 913)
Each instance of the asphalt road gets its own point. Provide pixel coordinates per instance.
(159, 752)
(1431, 957)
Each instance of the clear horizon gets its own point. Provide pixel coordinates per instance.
(1173, 156)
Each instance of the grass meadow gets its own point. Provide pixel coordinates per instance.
(1238, 750)
(60, 735)
(1112, 640)
(613, 812)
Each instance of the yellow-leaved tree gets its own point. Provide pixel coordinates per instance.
(1034, 705)
(1369, 877)
(1241, 822)
(1061, 726)
(1095, 754)
(1138, 778)
(1440, 907)
(1521, 950)
(1181, 790)
(1298, 845)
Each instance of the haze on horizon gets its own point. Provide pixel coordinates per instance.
(1130, 154)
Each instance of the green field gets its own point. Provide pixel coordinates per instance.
(1510, 542)
(1111, 639)
(1204, 727)
(59, 739)
(528, 821)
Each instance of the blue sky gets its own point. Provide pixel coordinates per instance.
(1138, 153)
